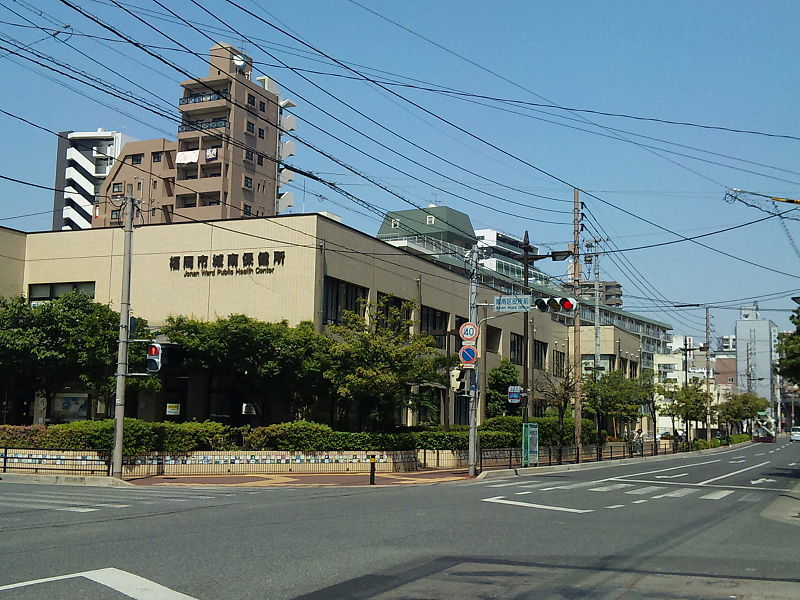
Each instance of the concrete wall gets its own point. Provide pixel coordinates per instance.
(12, 263)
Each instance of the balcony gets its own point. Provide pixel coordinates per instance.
(203, 125)
(197, 98)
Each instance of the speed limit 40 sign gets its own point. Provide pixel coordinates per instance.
(468, 331)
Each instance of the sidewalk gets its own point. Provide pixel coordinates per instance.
(427, 476)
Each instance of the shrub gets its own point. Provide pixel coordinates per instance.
(21, 436)
(700, 445)
(138, 437)
(737, 438)
(302, 436)
(504, 423)
(194, 435)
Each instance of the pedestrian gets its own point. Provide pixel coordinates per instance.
(638, 441)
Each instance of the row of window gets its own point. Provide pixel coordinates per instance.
(251, 100)
(250, 155)
(251, 128)
(116, 188)
(156, 157)
(42, 292)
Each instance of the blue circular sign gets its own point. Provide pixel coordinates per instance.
(468, 354)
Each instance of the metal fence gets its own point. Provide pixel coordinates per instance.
(56, 461)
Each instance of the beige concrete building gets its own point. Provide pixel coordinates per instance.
(224, 163)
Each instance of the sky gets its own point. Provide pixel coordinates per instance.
(498, 104)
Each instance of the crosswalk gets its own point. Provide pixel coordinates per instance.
(91, 500)
(622, 494)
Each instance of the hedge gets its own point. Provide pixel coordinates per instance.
(737, 438)
(548, 429)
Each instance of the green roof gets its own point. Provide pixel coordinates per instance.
(448, 224)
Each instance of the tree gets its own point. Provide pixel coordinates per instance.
(690, 403)
(613, 396)
(738, 408)
(789, 351)
(557, 393)
(500, 378)
(375, 361)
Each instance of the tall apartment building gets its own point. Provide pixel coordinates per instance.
(757, 354)
(225, 161)
(83, 160)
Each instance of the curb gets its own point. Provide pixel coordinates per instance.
(88, 480)
(529, 471)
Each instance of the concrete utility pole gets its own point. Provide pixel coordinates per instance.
(708, 378)
(576, 328)
(124, 324)
(473, 388)
(527, 358)
(596, 267)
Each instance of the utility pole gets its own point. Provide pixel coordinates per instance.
(708, 378)
(473, 388)
(576, 326)
(124, 324)
(596, 267)
(527, 358)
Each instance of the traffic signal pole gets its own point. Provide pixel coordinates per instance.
(577, 361)
(122, 350)
(473, 388)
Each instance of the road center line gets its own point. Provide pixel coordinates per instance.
(502, 500)
(766, 462)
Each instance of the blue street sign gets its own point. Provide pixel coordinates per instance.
(514, 393)
(468, 354)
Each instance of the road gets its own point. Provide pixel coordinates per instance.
(721, 525)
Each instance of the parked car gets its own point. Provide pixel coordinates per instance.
(794, 435)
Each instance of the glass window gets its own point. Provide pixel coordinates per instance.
(260, 133)
(262, 106)
(249, 154)
(136, 159)
(492, 338)
(395, 223)
(559, 363)
(392, 314)
(260, 160)
(539, 354)
(39, 292)
(340, 296)
(433, 322)
(430, 220)
(517, 353)
(248, 182)
(139, 186)
(251, 100)
(247, 209)
(251, 127)
(116, 188)
(157, 157)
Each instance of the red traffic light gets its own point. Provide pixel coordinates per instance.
(567, 304)
(154, 350)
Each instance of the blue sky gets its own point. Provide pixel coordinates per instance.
(730, 64)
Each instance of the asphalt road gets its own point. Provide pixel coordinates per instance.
(708, 526)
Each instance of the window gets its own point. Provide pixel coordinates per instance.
(249, 154)
(433, 322)
(260, 160)
(340, 296)
(136, 159)
(559, 363)
(247, 209)
(157, 156)
(517, 354)
(115, 214)
(260, 133)
(430, 220)
(539, 354)
(730, 379)
(492, 336)
(262, 106)
(129, 189)
(42, 292)
(155, 184)
(248, 182)
(251, 127)
(116, 188)
(251, 100)
(395, 223)
(391, 312)
(139, 186)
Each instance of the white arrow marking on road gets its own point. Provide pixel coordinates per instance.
(502, 500)
(761, 480)
(671, 476)
(792, 464)
(713, 479)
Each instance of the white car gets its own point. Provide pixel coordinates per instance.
(794, 435)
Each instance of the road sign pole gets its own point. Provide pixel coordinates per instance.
(473, 390)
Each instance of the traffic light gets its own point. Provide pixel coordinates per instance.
(458, 381)
(555, 304)
(153, 358)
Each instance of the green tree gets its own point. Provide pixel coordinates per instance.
(613, 397)
(738, 408)
(557, 393)
(375, 361)
(500, 378)
(789, 351)
(690, 404)
(648, 398)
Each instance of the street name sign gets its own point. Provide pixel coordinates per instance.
(514, 393)
(512, 303)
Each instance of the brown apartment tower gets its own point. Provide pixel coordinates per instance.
(225, 162)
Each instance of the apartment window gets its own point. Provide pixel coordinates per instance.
(392, 314)
(42, 292)
(260, 160)
(249, 154)
(539, 354)
(433, 322)
(248, 182)
(247, 209)
(251, 127)
(730, 379)
(262, 106)
(139, 186)
(260, 133)
(559, 363)
(136, 159)
(155, 184)
(157, 156)
(517, 353)
(116, 188)
(115, 214)
(430, 220)
(258, 187)
(251, 100)
(395, 223)
(340, 296)
(129, 189)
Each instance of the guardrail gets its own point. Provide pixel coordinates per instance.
(56, 461)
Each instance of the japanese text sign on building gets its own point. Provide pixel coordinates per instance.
(512, 303)
(230, 263)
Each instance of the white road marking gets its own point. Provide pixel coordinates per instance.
(739, 457)
(24, 499)
(502, 500)
(716, 495)
(766, 462)
(613, 486)
(671, 476)
(27, 505)
(120, 581)
(736, 462)
(760, 454)
(679, 493)
(613, 506)
(503, 484)
(761, 480)
(645, 490)
(639, 501)
(522, 493)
